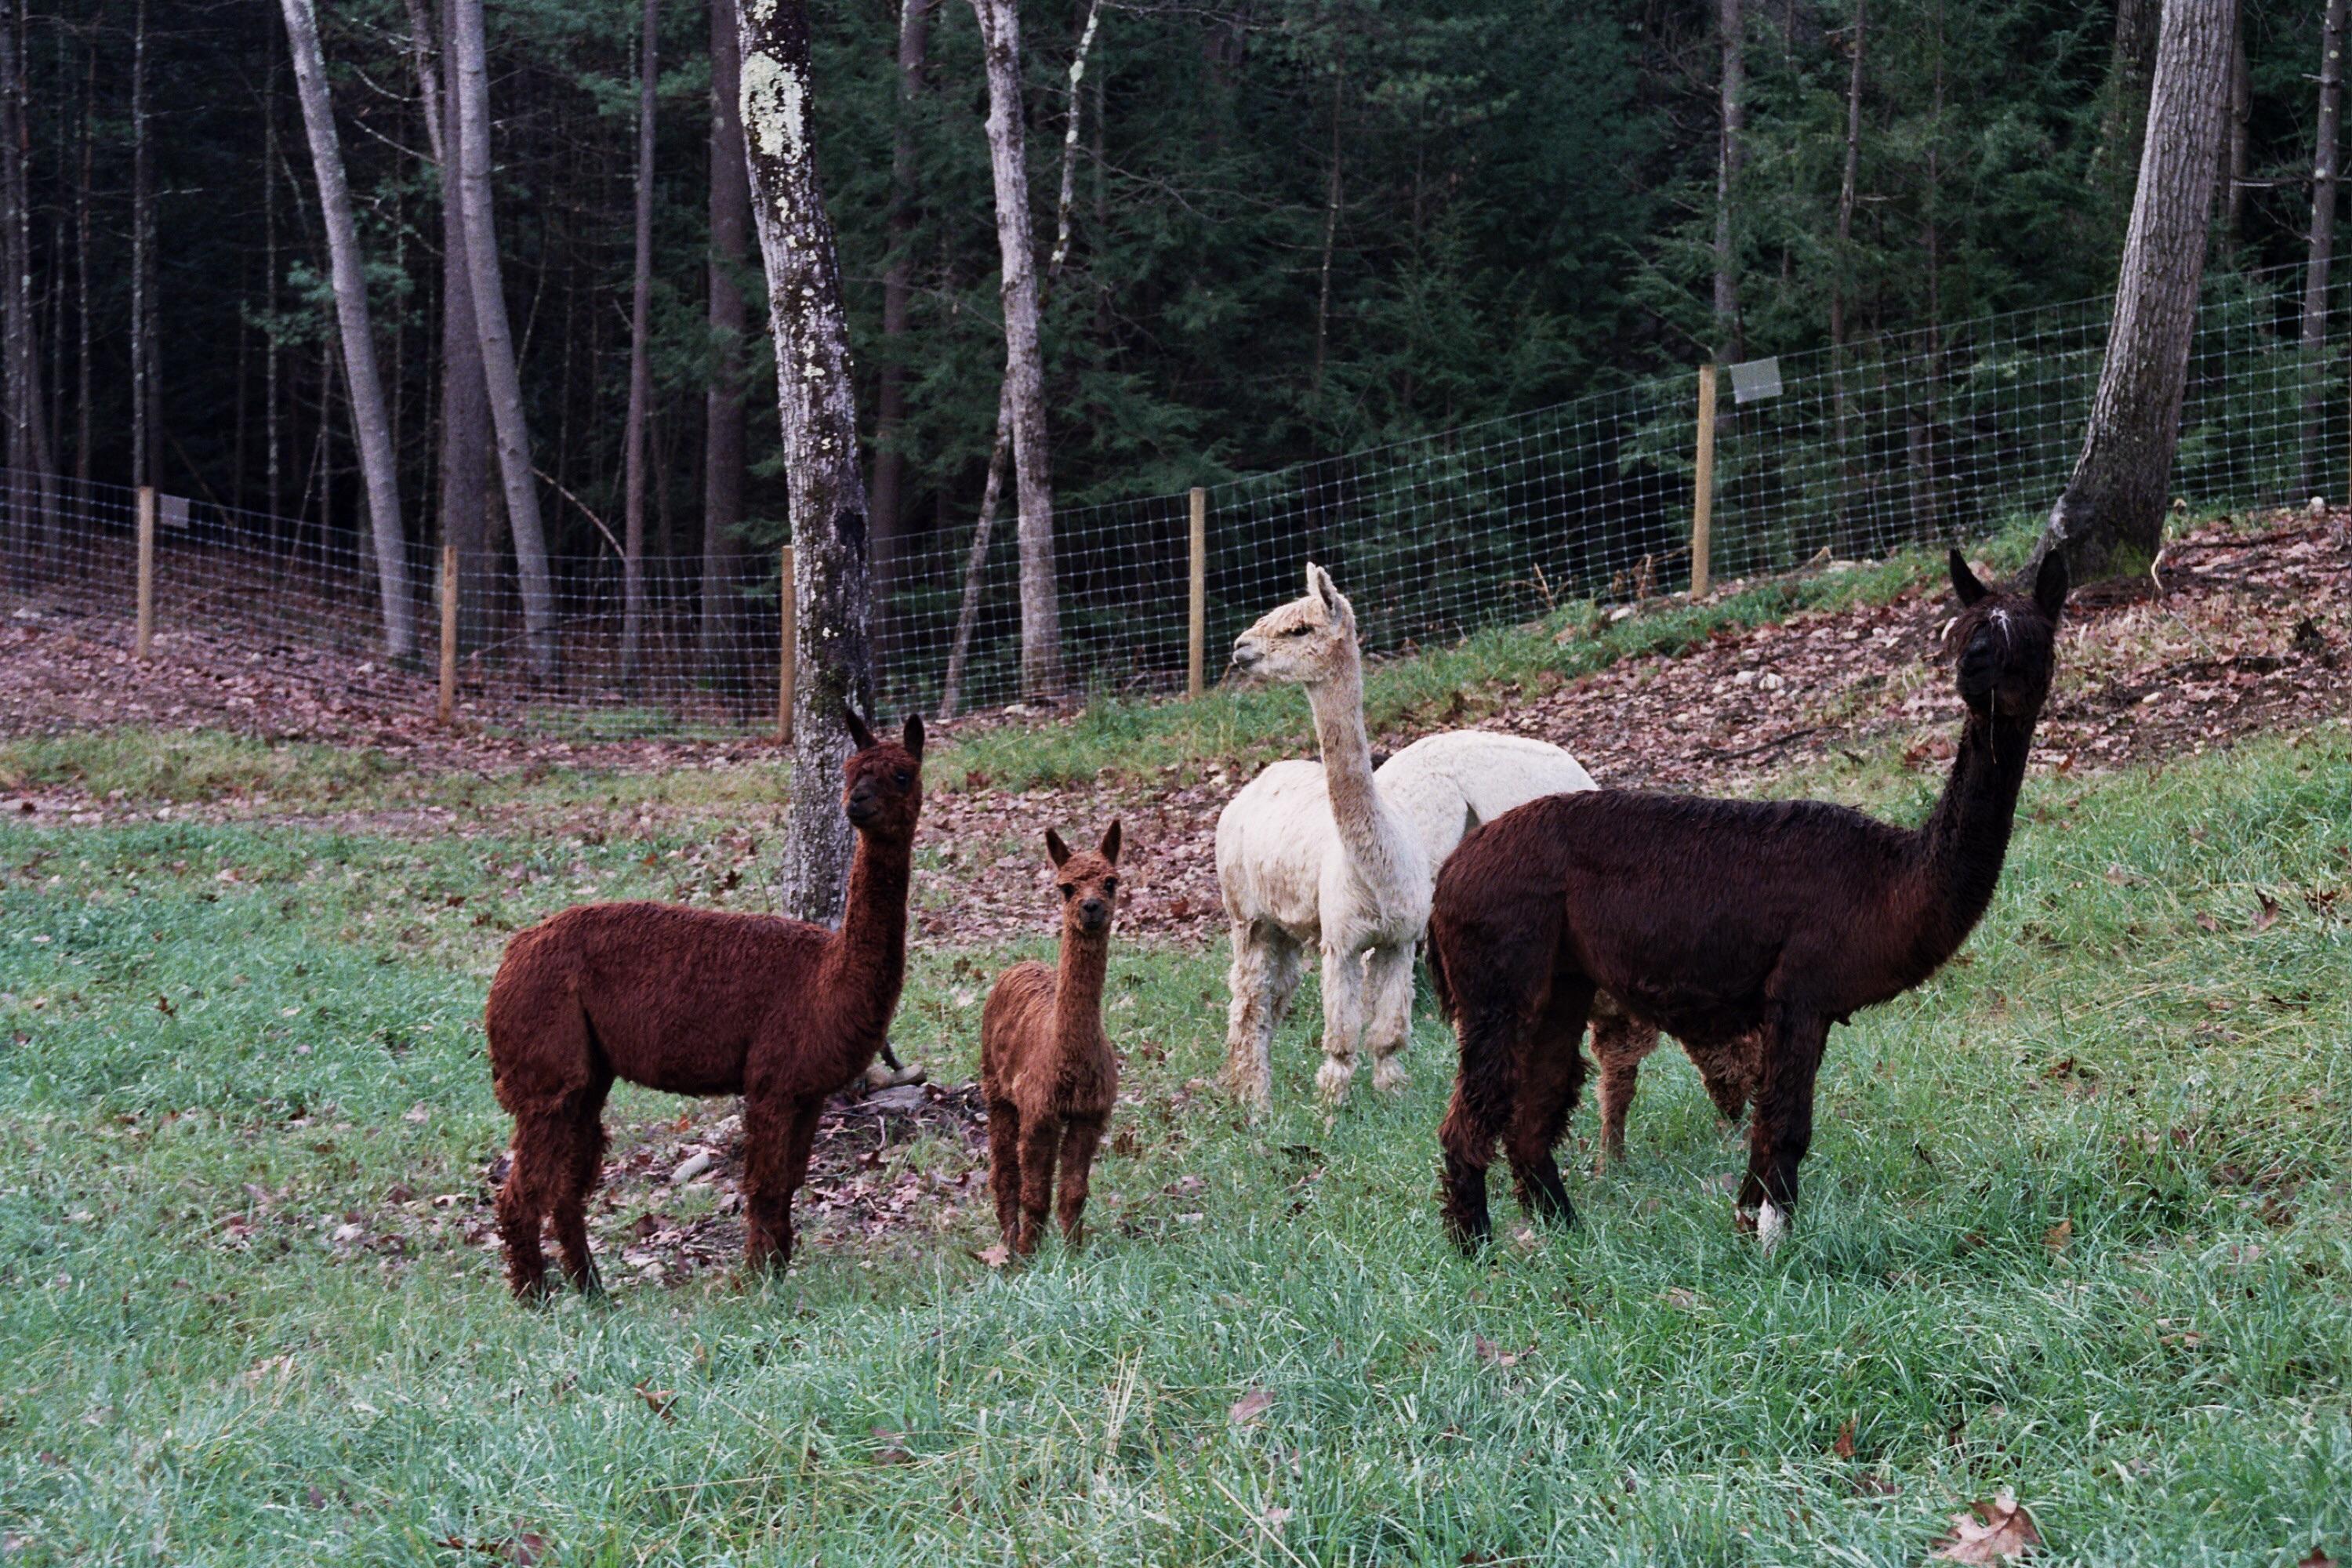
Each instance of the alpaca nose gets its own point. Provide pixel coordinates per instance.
(861, 806)
(1095, 913)
(1246, 653)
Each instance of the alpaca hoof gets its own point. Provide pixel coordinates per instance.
(1332, 1081)
(1388, 1076)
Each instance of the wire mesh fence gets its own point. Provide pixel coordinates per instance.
(1923, 436)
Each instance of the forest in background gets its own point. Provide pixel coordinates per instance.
(1293, 228)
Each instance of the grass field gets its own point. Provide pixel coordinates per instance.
(2078, 1222)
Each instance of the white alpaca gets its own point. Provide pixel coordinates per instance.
(1333, 857)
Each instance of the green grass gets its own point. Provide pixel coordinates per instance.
(2169, 1386)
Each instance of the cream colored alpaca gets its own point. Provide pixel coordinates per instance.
(1338, 859)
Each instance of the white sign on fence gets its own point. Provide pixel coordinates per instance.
(1754, 380)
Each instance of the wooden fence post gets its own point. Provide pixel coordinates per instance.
(1703, 483)
(448, 708)
(788, 663)
(1199, 629)
(146, 571)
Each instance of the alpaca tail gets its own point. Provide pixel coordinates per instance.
(1437, 981)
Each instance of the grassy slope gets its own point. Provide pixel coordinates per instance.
(2171, 1385)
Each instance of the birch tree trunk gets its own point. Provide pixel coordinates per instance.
(2321, 254)
(465, 395)
(2110, 520)
(890, 398)
(1025, 380)
(722, 425)
(1734, 99)
(641, 373)
(379, 471)
(824, 488)
(469, 66)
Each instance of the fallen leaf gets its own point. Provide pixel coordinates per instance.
(1996, 1532)
(2317, 1559)
(2207, 922)
(892, 1449)
(2056, 1237)
(2268, 917)
(1844, 1447)
(996, 1257)
(1681, 1299)
(658, 1400)
(1250, 1406)
(1276, 1518)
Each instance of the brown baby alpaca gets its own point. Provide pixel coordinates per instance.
(700, 1002)
(1046, 1067)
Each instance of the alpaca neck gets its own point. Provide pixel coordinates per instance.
(1078, 991)
(1966, 835)
(866, 959)
(1339, 704)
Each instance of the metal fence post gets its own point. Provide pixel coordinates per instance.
(1199, 629)
(146, 571)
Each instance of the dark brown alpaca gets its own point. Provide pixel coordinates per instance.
(1046, 1067)
(700, 1002)
(1716, 920)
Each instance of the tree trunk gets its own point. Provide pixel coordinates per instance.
(890, 399)
(2110, 521)
(142, 263)
(19, 508)
(2123, 122)
(465, 395)
(1041, 625)
(824, 487)
(641, 371)
(1727, 173)
(379, 469)
(2236, 143)
(2324, 181)
(723, 423)
(469, 65)
(1843, 406)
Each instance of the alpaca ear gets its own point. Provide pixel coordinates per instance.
(1110, 844)
(859, 735)
(2050, 583)
(913, 738)
(1317, 579)
(1056, 850)
(1333, 600)
(1964, 582)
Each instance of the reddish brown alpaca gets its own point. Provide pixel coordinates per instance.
(1716, 919)
(700, 1002)
(1046, 1067)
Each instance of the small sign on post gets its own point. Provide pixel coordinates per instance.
(1199, 596)
(1703, 483)
(448, 705)
(146, 645)
(788, 661)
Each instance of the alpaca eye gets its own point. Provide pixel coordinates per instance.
(1067, 890)
(904, 779)
(1111, 884)
(1297, 631)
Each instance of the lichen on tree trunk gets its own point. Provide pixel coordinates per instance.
(825, 491)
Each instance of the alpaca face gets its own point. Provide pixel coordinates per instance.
(882, 783)
(1307, 640)
(2004, 645)
(1089, 883)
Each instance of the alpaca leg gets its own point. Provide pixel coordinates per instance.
(1619, 1044)
(584, 1168)
(1388, 980)
(1781, 1130)
(1551, 1070)
(1040, 1140)
(1005, 1167)
(1486, 1024)
(1262, 954)
(1343, 1021)
(1728, 1073)
(1080, 1138)
(533, 1174)
(777, 1137)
